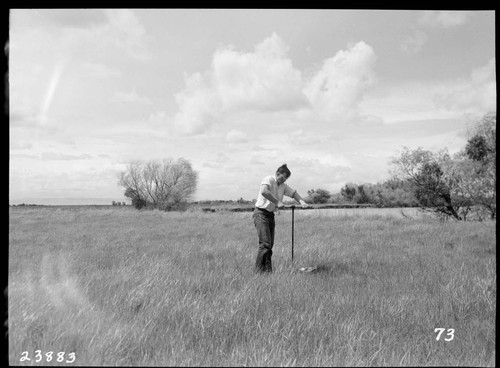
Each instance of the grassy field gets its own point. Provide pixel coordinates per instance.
(116, 286)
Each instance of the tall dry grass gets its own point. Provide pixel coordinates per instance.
(123, 287)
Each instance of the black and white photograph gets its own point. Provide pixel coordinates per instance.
(251, 187)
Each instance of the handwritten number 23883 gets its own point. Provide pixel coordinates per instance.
(49, 356)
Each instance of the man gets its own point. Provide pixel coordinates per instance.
(272, 190)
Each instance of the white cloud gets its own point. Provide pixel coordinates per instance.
(263, 80)
(336, 90)
(444, 19)
(266, 81)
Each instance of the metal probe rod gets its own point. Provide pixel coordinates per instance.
(293, 215)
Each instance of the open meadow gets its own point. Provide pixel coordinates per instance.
(117, 286)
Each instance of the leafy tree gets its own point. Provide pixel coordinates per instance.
(362, 195)
(477, 148)
(423, 170)
(481, 144)
(348, 191)
(459, 185)
(465, 187)
(319, 195)
(166, 185)
(397, 193)
(432, 190)
(480, 185)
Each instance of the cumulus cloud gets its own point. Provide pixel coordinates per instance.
(262, 80)
(266, 81)
(337, 89)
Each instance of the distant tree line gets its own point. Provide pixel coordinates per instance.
(452, 186)
(222, 202)
(25, 205)
(391, 193)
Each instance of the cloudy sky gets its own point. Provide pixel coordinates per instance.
(333, 93)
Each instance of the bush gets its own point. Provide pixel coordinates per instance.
(165, 185)
(319, 195)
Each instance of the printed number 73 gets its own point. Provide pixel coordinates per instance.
(450, 333)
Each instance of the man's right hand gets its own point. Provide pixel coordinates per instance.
(304, 204)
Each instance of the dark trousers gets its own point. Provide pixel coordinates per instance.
(264, 223)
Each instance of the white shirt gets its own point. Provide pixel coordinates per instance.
(278, 191)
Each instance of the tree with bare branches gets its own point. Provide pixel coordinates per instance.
(166, 185)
